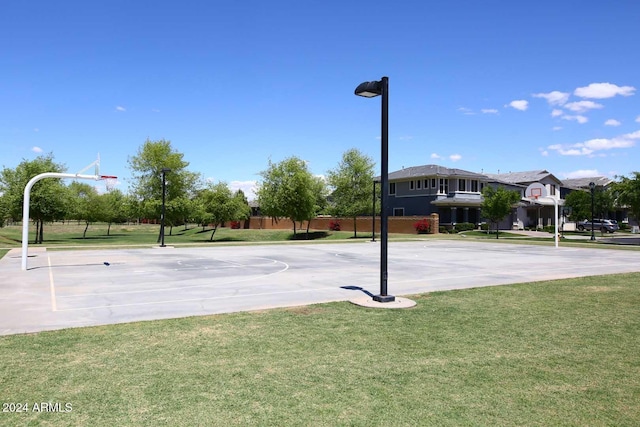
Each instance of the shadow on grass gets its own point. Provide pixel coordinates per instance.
(312, 235)
(111, 236)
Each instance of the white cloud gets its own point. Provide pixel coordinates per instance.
(556, 128)
(36, 130)
(467, 111)
(603, 90)
(612, 122)
(248, 187)
(489, 111)
(580, 119)
(36, 149)
(544, 153)
(553, 98)
(582, 173)
(455, 157)
(405, 138)
(588, 148)
(637, 119)
(557, 113)
(519, 104)
(435, 156)
(582, 106)
(155, 110)
(119, 108)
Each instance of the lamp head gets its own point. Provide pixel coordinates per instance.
(165, 170)
(369, 89)
(592, 186)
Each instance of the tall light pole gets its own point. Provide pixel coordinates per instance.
(164, 191)
(373, 214)
(592, 187)
(370, 90)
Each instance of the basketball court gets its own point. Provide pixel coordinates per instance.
(72, 288)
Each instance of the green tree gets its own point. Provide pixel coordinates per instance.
(286, 191)
(579, 202)
(627, 191)
(47, 201)
(146, 167)
(497, 203)
(86, 204)
(221, 205)
(352, 183)
(114, 208)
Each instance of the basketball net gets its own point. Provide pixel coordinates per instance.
(110, 181)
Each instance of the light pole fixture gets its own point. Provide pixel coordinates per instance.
(592, 187)
(164, 191)
(370, 90)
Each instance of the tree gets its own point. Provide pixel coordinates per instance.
(85, 204)
(286, 191)
(579, 202)
(352, 183)
(47, 201)
(628, 193)
(497, 203)
(146, 167)
(114, 208)
(221, 205)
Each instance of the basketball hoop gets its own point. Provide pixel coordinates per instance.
(110, 181)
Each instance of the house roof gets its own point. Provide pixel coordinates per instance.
(583, 183)
(431, 170)
(526, 177)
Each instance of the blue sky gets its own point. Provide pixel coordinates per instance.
(484, 86)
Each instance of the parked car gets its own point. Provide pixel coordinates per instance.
(604, 225)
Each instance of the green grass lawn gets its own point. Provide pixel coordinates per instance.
(540, 354)
(70, 234)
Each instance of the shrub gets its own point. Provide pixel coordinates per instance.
(423, 226)
(484, 226)
(549, 228)
(464, 226)
(334, 225)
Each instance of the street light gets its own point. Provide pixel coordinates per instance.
(164, 190)
(370, 90)
(592, 187)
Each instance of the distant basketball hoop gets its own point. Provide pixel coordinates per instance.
(535, 191)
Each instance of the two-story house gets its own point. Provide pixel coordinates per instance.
(454, 194)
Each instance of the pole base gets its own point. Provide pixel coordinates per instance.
(384, 298)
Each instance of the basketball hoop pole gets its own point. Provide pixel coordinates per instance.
(536, 190)
(27, 197)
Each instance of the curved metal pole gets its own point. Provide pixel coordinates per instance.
(25, 206)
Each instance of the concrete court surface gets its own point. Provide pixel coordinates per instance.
(73, 288)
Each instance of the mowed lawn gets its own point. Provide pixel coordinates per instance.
(540, 354)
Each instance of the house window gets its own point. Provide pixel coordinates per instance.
(444, 186)
(398, 211)
(418, 184)
(426, 183)
(474, 185)
(462, 185)
(411, 185)
(553, 190)
(433, 183)
(392, 188)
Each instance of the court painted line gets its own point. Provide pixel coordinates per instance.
(52, 288)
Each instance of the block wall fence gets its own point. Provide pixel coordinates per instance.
(397, 224)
